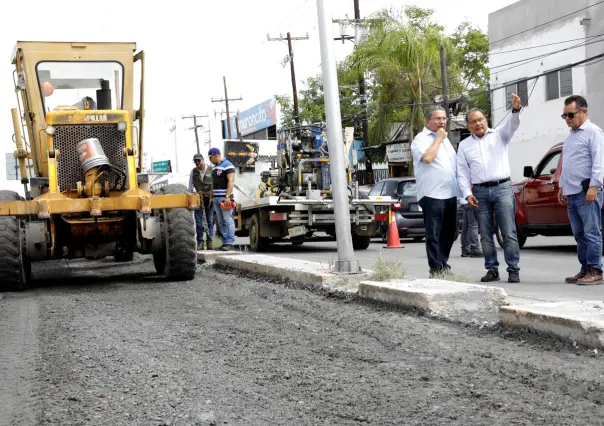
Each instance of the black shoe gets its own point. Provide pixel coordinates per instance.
(477, 254)
(227, 247)
(514, 277)
(491, 276)
(466, 254)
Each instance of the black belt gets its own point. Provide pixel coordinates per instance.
(492, 183)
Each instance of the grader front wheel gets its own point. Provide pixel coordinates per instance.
(15, 268)
(178, 258)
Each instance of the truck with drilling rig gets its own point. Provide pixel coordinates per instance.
(77, 124)
(294, 203)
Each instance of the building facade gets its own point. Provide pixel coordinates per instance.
(529, 39)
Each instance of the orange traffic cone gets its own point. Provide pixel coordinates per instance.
(394, 240)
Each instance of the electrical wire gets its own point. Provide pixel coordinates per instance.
(546, 23)
(542, 45)
(543, 55)
(528, 61)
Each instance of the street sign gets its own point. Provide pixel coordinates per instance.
(162, 166)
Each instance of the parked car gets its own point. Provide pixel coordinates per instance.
(407, 212)
(538, 211)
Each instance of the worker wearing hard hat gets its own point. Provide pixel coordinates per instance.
(201, 182)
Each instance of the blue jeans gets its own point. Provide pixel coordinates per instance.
(226, 222)
(585, 220)
(199, 222)
(498, 202)
(440, 220)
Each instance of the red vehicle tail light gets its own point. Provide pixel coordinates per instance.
(381, 217)
(397, 206)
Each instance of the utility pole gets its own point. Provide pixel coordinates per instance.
(226, 101)
(173, 130)
(445, 82)
(290, 59)
(195, 127)
(346, 261)
(358, 22)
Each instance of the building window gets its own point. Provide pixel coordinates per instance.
(559, 84)
(521, 89)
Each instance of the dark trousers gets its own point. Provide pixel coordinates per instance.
(440, 221)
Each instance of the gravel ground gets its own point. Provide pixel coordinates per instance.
(113, 344)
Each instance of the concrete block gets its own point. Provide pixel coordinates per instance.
(212, 255)
(445, 299)
(300, 271)
(575, 321)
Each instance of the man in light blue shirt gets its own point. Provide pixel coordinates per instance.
(435, 174)
(483, 174)
(581, 188)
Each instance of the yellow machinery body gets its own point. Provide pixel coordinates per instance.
(69, 92)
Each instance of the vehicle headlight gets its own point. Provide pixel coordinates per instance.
(121, 126)
(50, 130)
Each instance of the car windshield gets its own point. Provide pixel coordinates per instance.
(407, 189)
(80, 85)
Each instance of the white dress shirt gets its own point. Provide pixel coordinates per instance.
(437, 179)
(485, 159)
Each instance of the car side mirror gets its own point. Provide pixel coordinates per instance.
(528, 172)
(552, 171)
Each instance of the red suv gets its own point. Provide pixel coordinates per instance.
(538, 211)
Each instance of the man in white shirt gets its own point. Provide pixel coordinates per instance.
(483, 175)
(437, 192)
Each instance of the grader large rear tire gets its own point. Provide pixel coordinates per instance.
(15, 268)
(178, 260)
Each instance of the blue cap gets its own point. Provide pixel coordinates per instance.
(213, 151)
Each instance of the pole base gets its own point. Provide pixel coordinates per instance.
(348, 267)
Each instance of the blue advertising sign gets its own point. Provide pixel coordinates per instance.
(256, 118)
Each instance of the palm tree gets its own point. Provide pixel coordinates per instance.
(403, 60)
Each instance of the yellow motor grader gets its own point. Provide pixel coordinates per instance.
(78, 131)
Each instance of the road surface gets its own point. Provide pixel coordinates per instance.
(112, 344)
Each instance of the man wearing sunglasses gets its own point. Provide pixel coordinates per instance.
(200, 181)
(581, 188)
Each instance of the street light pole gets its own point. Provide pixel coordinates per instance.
(346, 261)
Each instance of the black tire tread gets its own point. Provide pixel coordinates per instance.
(11, 261)
(360, 242)
(181, 242)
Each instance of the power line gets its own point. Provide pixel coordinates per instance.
(546, 23)
(584, 61)
(542, 45)
(287, 17)
(545, 55)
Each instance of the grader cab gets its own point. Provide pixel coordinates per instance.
(79, 145)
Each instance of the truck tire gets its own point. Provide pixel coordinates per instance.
(15, 268)
(257, 243)
(360, 242)
(178, 260)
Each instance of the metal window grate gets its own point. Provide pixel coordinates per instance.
(69, 168)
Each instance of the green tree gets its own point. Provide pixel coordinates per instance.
(403, 58)
(472, 58)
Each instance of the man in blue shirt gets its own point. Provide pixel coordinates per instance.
(435, 173)
(223, 182)
(581, 188)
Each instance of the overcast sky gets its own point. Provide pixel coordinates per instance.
(189, 47)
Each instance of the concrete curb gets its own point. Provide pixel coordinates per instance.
(212, 255)
(460, 302)
(576, 321)
(301, 271)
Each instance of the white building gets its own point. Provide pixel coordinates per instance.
(529, 38)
